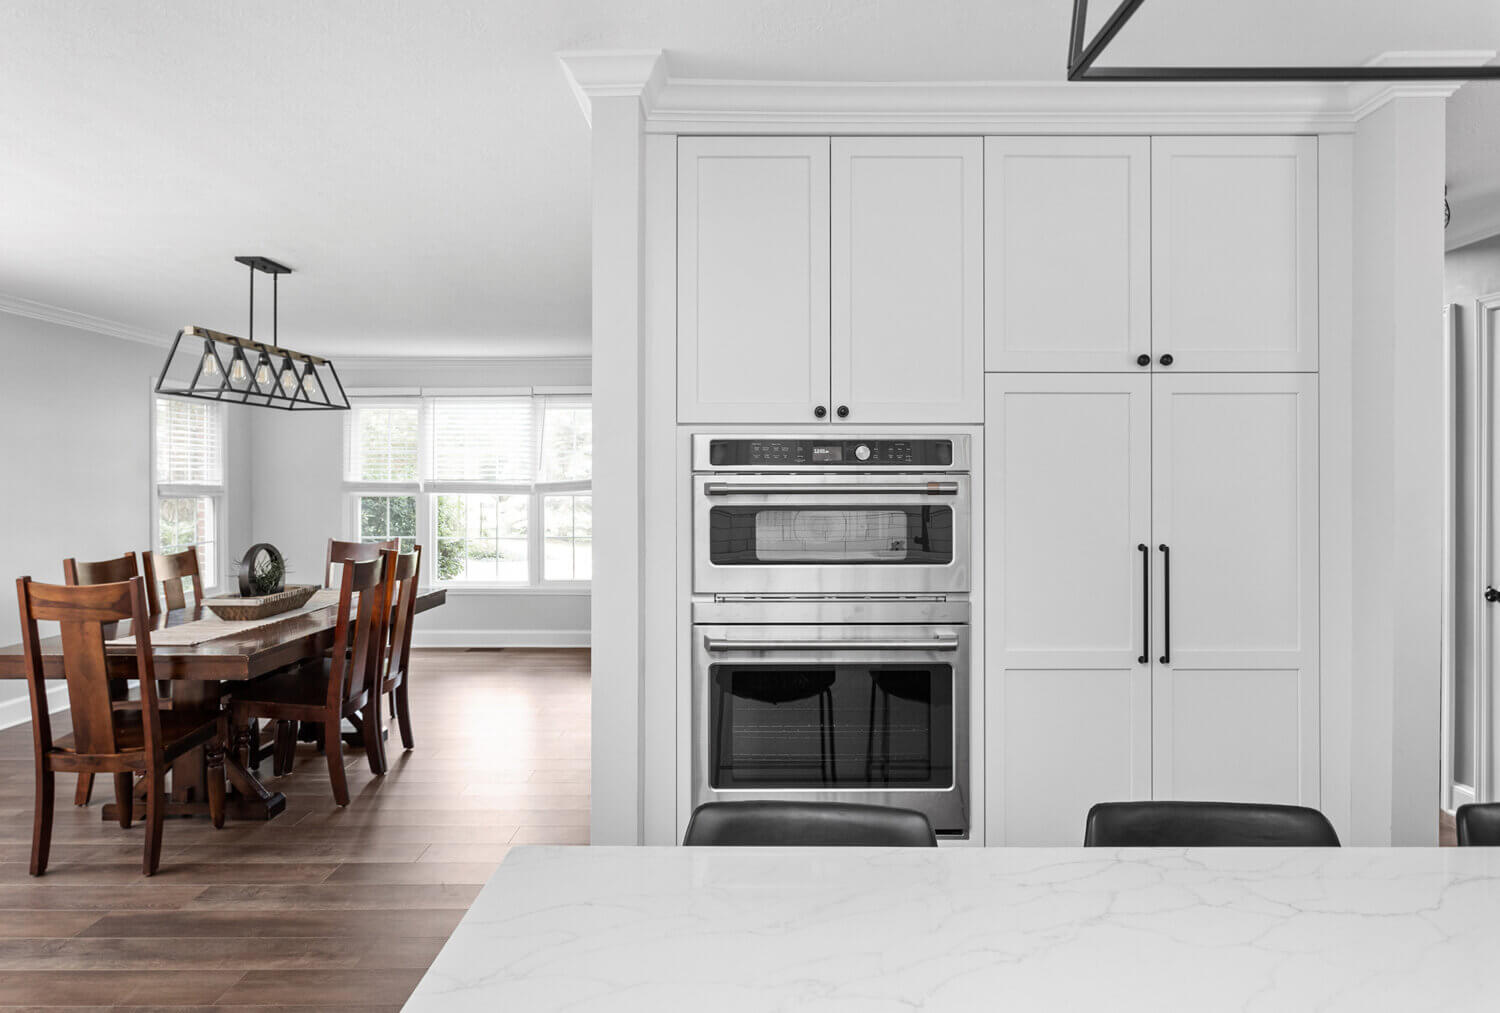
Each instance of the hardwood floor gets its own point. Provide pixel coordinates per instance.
(321, 907)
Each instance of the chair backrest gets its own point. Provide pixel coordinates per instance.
(1206, 825)
(404, 586)
(805, 824)
(353, 552)
(359, 646)
(1478, 825)
(165, 572)
(82, 613)
(106, 571)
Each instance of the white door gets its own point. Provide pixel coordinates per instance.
(1068, 530)
(1235, 519)
(1234, 233)
(1480, 706)
(1067, 240)
(752, 279)
(908, 279)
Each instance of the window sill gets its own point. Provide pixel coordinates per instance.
(574, 590)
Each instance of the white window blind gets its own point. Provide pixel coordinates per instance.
(491, 440)
(382, 444)
(567, 441)
(189, 447)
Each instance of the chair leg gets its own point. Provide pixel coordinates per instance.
(253, 727)
(156, 812)
(402, 706)
(374, 734)
(214, 761)
(41, 825)
(85, 789)
(333, 748)
(286, 747)
(124, 795)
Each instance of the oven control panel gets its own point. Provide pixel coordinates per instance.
(820, 454)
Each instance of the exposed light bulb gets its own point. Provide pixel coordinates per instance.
(239, 371)
(288, 381)
(310, 385)
(210, 361)
(263, 374)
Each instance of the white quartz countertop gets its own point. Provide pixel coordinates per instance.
(834, 929)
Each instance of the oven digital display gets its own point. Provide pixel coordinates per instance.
(823, 454)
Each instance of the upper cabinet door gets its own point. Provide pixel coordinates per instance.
(1235, 253)
(752, 279)
(908, 279)
(1067, 254)
(1235, 502)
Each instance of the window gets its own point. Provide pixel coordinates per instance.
(189, 481)
(497, 488)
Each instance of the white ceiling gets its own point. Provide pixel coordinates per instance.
(424, 167)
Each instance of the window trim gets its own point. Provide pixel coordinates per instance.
(426, 490)
(217, 580)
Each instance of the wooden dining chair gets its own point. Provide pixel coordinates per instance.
(354, 552)
(106, 739)
(343, 683)
(105, 571)
(165, 572)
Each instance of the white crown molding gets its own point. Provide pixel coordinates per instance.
(1365, 97)
(80, 321)
(1471, 227)
(613, 73)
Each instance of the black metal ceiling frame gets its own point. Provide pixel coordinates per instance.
(1083, 55)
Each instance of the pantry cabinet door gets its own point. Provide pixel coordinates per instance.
(1067, 668)
(908, 279)
(752, 279)
(1067, 253)
(1235, 504)
(1235, 253)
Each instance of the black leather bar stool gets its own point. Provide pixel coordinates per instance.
(1206, 825)
(808, 824)
(1478, 825)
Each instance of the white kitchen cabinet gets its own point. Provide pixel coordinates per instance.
(752, 279)
(1234, 265)
(1235, 501)
(1068, 679)
(1068, 254)
(907, 279)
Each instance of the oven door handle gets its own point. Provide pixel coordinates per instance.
(720, 645)
(850, 489)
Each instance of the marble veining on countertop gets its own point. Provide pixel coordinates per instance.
(833, 929)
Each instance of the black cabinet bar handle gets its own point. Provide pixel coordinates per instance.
(1166, 605)
(1145, 551)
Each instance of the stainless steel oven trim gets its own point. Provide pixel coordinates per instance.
(828, 578)
(701, 442)
(947, 808)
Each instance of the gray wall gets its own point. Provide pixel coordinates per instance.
(298, 500)
(1469, 273)
(75, 446)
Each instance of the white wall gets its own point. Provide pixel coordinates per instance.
(297, 500)
(75, 446)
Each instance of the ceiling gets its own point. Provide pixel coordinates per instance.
(424, 167)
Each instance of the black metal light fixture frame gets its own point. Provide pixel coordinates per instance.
(1082, 56)
(314, 385)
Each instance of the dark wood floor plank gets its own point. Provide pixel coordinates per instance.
(165, 988)
(357, 989)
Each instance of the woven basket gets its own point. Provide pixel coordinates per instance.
(238, 610)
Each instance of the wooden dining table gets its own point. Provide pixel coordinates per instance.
(203, 675)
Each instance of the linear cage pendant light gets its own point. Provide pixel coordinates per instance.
(214, 366)
(1082, 54)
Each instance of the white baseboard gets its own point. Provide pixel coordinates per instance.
(1463, 794)
(499, 638)
(18, 711)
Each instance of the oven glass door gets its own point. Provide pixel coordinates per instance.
(759, 535)
(834, 726)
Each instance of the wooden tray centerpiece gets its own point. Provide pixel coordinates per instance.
(263, 592)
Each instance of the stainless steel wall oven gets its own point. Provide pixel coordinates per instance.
(831, 621)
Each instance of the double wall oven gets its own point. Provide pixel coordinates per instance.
(831, 580)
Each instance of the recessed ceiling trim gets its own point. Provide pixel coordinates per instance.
(50, 314)
(1082, 57)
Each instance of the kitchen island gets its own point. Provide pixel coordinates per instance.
(730, 929)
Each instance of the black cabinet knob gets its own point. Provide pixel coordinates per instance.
(1166, 360)
(1143, 359)
(819, 412)
(843, 411)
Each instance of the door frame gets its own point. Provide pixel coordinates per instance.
(1484, 760)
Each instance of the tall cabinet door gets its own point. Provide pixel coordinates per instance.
(1067, 253)
(908, 279)
(1235, 252)
(752, 278)
(1067, 531)
(1235, 515)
